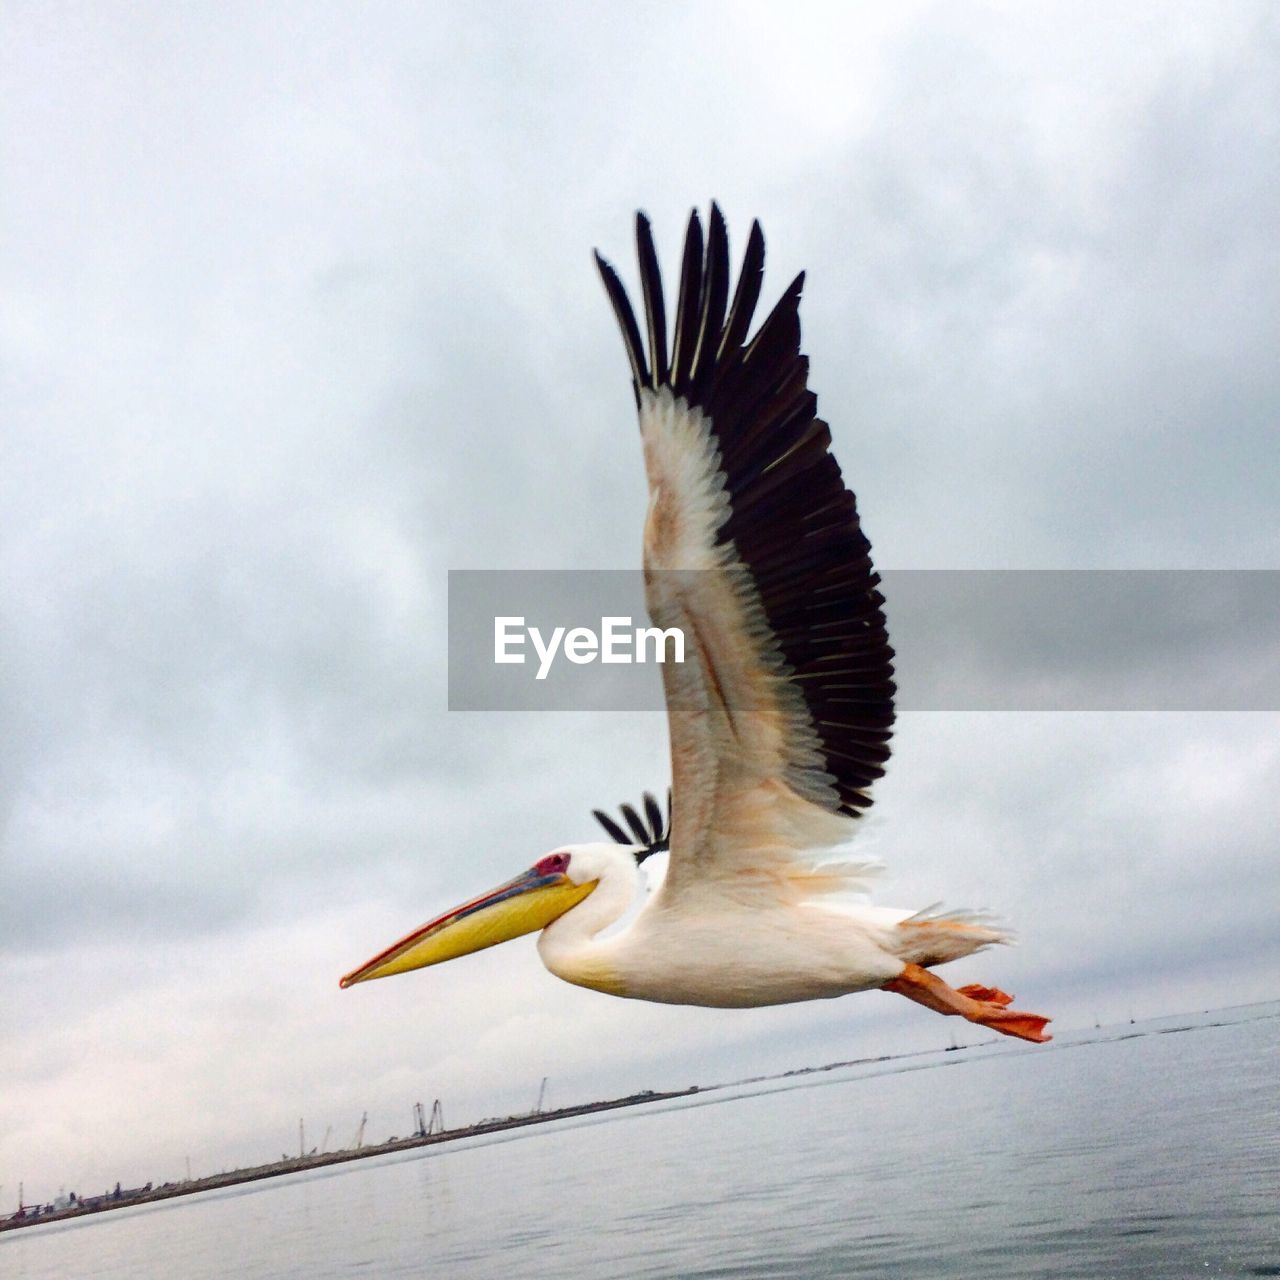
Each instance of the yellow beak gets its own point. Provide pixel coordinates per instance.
(530, 901)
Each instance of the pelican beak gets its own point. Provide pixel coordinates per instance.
(530, 901)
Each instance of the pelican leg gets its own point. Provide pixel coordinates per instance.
(987, 1006)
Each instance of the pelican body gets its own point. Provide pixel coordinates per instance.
(728, 953)
(780, 718)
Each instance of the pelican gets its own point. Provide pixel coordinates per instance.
(779, 718)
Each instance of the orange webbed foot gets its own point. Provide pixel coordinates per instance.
(987, 995)
(987, 1006)
(1012, 1022)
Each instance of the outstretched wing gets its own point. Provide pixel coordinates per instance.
(780, 716)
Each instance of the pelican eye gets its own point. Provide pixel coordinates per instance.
(554, 864)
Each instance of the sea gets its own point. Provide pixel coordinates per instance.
(1150, 1150)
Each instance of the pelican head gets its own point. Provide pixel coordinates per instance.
(553, 886)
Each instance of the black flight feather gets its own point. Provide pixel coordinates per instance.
(626, 322)
(688, 307)
(616, 833)
(651, 287)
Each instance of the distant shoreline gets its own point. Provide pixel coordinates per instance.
(298, 1164)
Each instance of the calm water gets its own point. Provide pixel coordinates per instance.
(1152, 1155)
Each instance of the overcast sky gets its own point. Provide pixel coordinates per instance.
(297, 312)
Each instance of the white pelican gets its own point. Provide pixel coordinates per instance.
(779, 718)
